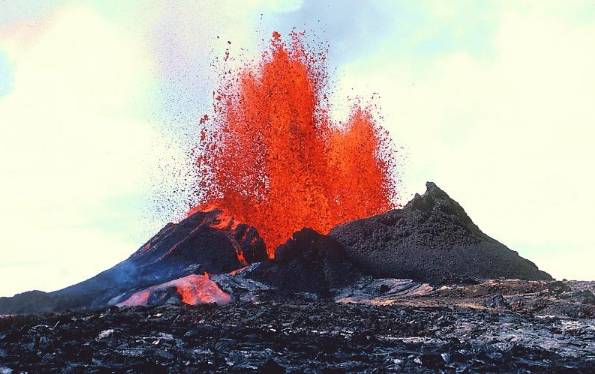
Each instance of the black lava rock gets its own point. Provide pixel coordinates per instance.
(271, 367)
(585, 297)
(299, 337)
(308, 262)
(431, 239)
(496, 301)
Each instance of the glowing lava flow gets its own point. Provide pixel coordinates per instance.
(272, 158)
(192, 289)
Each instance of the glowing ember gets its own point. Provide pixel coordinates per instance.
(192, 289)
(272, 158)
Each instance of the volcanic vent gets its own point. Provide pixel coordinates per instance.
(272, 158)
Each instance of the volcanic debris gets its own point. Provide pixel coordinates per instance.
(308, 337)
(308, 262)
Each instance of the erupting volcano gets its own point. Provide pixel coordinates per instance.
(296, 251)
(271, 156)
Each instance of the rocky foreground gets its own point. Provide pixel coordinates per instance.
(376, 326)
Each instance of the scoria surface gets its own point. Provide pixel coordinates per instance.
(376, 326)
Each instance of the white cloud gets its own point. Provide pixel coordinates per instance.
(507, 132)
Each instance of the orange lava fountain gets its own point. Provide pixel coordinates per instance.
(272, 158)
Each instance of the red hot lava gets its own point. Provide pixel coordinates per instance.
(192, 289)
(272, 158)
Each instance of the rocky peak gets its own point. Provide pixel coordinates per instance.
(435, 204)
(308, 262)
(432, 239)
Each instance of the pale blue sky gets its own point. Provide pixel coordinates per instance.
(99, 101)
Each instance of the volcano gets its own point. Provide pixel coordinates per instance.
(294, 258)
(431, 239)
(322, 303)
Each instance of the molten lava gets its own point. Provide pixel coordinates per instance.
(272, 158)
(192, 289)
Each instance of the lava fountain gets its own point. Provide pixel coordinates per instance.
(270, 155)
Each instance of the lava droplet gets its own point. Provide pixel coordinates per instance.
(275, 160)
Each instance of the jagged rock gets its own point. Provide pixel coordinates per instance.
(585, 297)
(308, 262)
(496, 301)
(445, 332)
(204, 242)
(431, 239)
(558, 287)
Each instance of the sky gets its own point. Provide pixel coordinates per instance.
(99, 103)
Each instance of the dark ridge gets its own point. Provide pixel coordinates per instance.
(432, 239)
(308, 262)
(197, 244)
